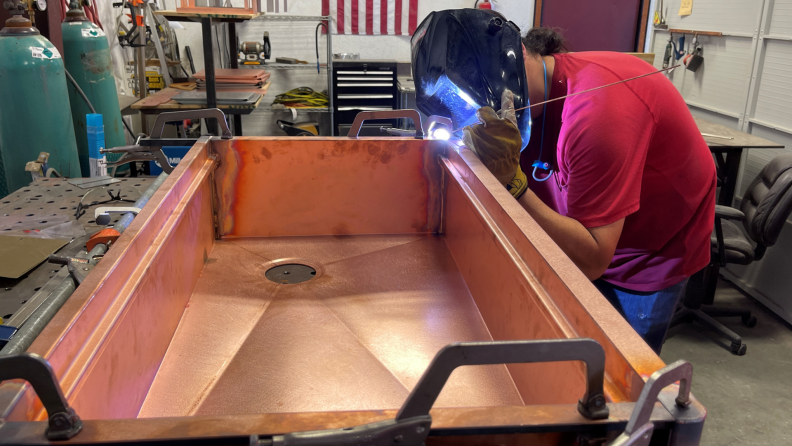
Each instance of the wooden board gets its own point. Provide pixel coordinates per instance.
(192, 16)
(162, 101)
(646, 57)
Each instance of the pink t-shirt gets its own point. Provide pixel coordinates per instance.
(628, 151)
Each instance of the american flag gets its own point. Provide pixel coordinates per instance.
(277, 5)
(372, 17)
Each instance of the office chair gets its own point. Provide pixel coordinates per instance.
(766, 205)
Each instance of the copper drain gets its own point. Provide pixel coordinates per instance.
(290, 273)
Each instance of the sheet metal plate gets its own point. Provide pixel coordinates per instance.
(357, 336)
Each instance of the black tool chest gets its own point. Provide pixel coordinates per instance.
(363, 85)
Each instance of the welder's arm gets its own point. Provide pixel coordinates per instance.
(591, 249)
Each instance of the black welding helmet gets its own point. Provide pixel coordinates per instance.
(464, 59)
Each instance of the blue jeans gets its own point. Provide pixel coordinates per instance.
(649, 313)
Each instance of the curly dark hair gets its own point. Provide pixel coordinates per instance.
(544, 41)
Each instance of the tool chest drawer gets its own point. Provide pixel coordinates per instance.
(363, 85)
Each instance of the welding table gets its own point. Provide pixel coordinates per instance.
(152, 105)
(728, 152)
(45, 203)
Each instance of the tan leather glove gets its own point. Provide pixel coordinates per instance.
(497, 143)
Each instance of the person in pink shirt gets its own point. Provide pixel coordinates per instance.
(620, 178)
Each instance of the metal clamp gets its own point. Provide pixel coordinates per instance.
(63, 421)
(413, 422)
(208, 113)
(78, 267)
(354, 131)
(591, 405)
(139, 153)
(639, 429)
(102, 214)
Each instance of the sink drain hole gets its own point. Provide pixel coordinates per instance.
(290, 273)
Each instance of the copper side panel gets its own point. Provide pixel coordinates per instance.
(107, 341)
(318, 186)
(358, 336)
(527, 288)
(563, 419)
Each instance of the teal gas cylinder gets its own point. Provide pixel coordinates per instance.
(87, 58)
(35, 115)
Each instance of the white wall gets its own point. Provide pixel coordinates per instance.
(745, 83)
(290, 39)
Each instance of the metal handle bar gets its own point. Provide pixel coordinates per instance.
(354, 131)
(216, 113)
(63, 422)
(591, 405)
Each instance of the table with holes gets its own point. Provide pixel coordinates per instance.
(45, 205)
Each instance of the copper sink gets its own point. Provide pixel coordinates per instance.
(179, 333)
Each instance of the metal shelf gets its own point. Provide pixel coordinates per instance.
(290, 66)
(293, 18)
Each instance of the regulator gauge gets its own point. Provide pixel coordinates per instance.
(41, 5)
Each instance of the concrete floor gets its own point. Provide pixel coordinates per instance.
(748, 398)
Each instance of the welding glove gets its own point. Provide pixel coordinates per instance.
(496, 141)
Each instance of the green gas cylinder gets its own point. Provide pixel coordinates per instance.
(87, 58)
(34, 105)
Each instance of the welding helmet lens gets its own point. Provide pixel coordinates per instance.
(465, 59)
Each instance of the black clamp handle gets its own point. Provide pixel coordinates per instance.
(592, 405)
(413, 422)
(63, 421)
(354, 130)
(208, 113)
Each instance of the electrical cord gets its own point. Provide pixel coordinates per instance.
(316, 35)
(79, 90)
(539, 164)
(90, 106)
(302, 97)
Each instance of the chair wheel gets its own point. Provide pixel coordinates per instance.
(738, 349)
(749, 321)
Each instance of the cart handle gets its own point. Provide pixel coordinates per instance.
(216, 113)
(354, 130)
(63, 421)
(592, 405)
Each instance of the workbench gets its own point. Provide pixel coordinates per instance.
(154, 105)
(728, 153)
(49, 202)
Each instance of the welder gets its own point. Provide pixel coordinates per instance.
(620, 177)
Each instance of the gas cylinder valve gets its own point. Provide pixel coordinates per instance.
(14, 8)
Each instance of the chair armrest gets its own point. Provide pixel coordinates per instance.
(728, 213)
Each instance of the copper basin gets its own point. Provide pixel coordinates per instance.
(414, 246)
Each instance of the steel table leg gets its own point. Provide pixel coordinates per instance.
(730, 184)
(233, 48)
(237, 125)
(211, 91)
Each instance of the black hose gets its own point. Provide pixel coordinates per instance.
(316, 34)
(90, 106)
(79, 90)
